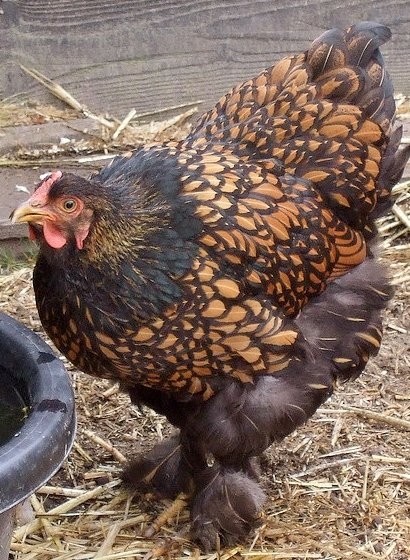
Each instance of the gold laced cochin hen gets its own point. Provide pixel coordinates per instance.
(228, 280)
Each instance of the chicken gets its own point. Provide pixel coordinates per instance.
(229, 280)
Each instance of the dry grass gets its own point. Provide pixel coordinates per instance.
(338, 488)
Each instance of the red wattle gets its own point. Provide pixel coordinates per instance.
(54, 237)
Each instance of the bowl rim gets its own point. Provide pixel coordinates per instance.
(38, 449)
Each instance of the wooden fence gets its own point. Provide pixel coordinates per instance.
(114, 55)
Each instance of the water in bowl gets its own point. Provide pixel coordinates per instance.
(13, 409)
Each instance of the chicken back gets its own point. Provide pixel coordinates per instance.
(229, 280)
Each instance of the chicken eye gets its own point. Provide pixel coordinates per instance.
(69, 205)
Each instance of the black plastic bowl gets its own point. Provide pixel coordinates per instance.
(36, 451)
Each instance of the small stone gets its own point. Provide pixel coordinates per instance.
(378, 547)
(101, 480)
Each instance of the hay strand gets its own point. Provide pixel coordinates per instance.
(378, 417)
(58, 91)
(167, 515)
(106, 445)
(64, 508)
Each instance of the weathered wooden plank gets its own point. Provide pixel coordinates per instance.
(12, 138)
(151, 54)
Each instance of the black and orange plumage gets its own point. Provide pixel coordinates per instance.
(228, 280)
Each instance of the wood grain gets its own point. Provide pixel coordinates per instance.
(113, 56)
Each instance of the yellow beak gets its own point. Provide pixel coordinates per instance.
(26, 212)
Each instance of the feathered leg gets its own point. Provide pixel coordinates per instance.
(163, 468)
(224, 440)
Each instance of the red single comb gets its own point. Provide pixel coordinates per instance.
(50, 179)
(42, 190)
